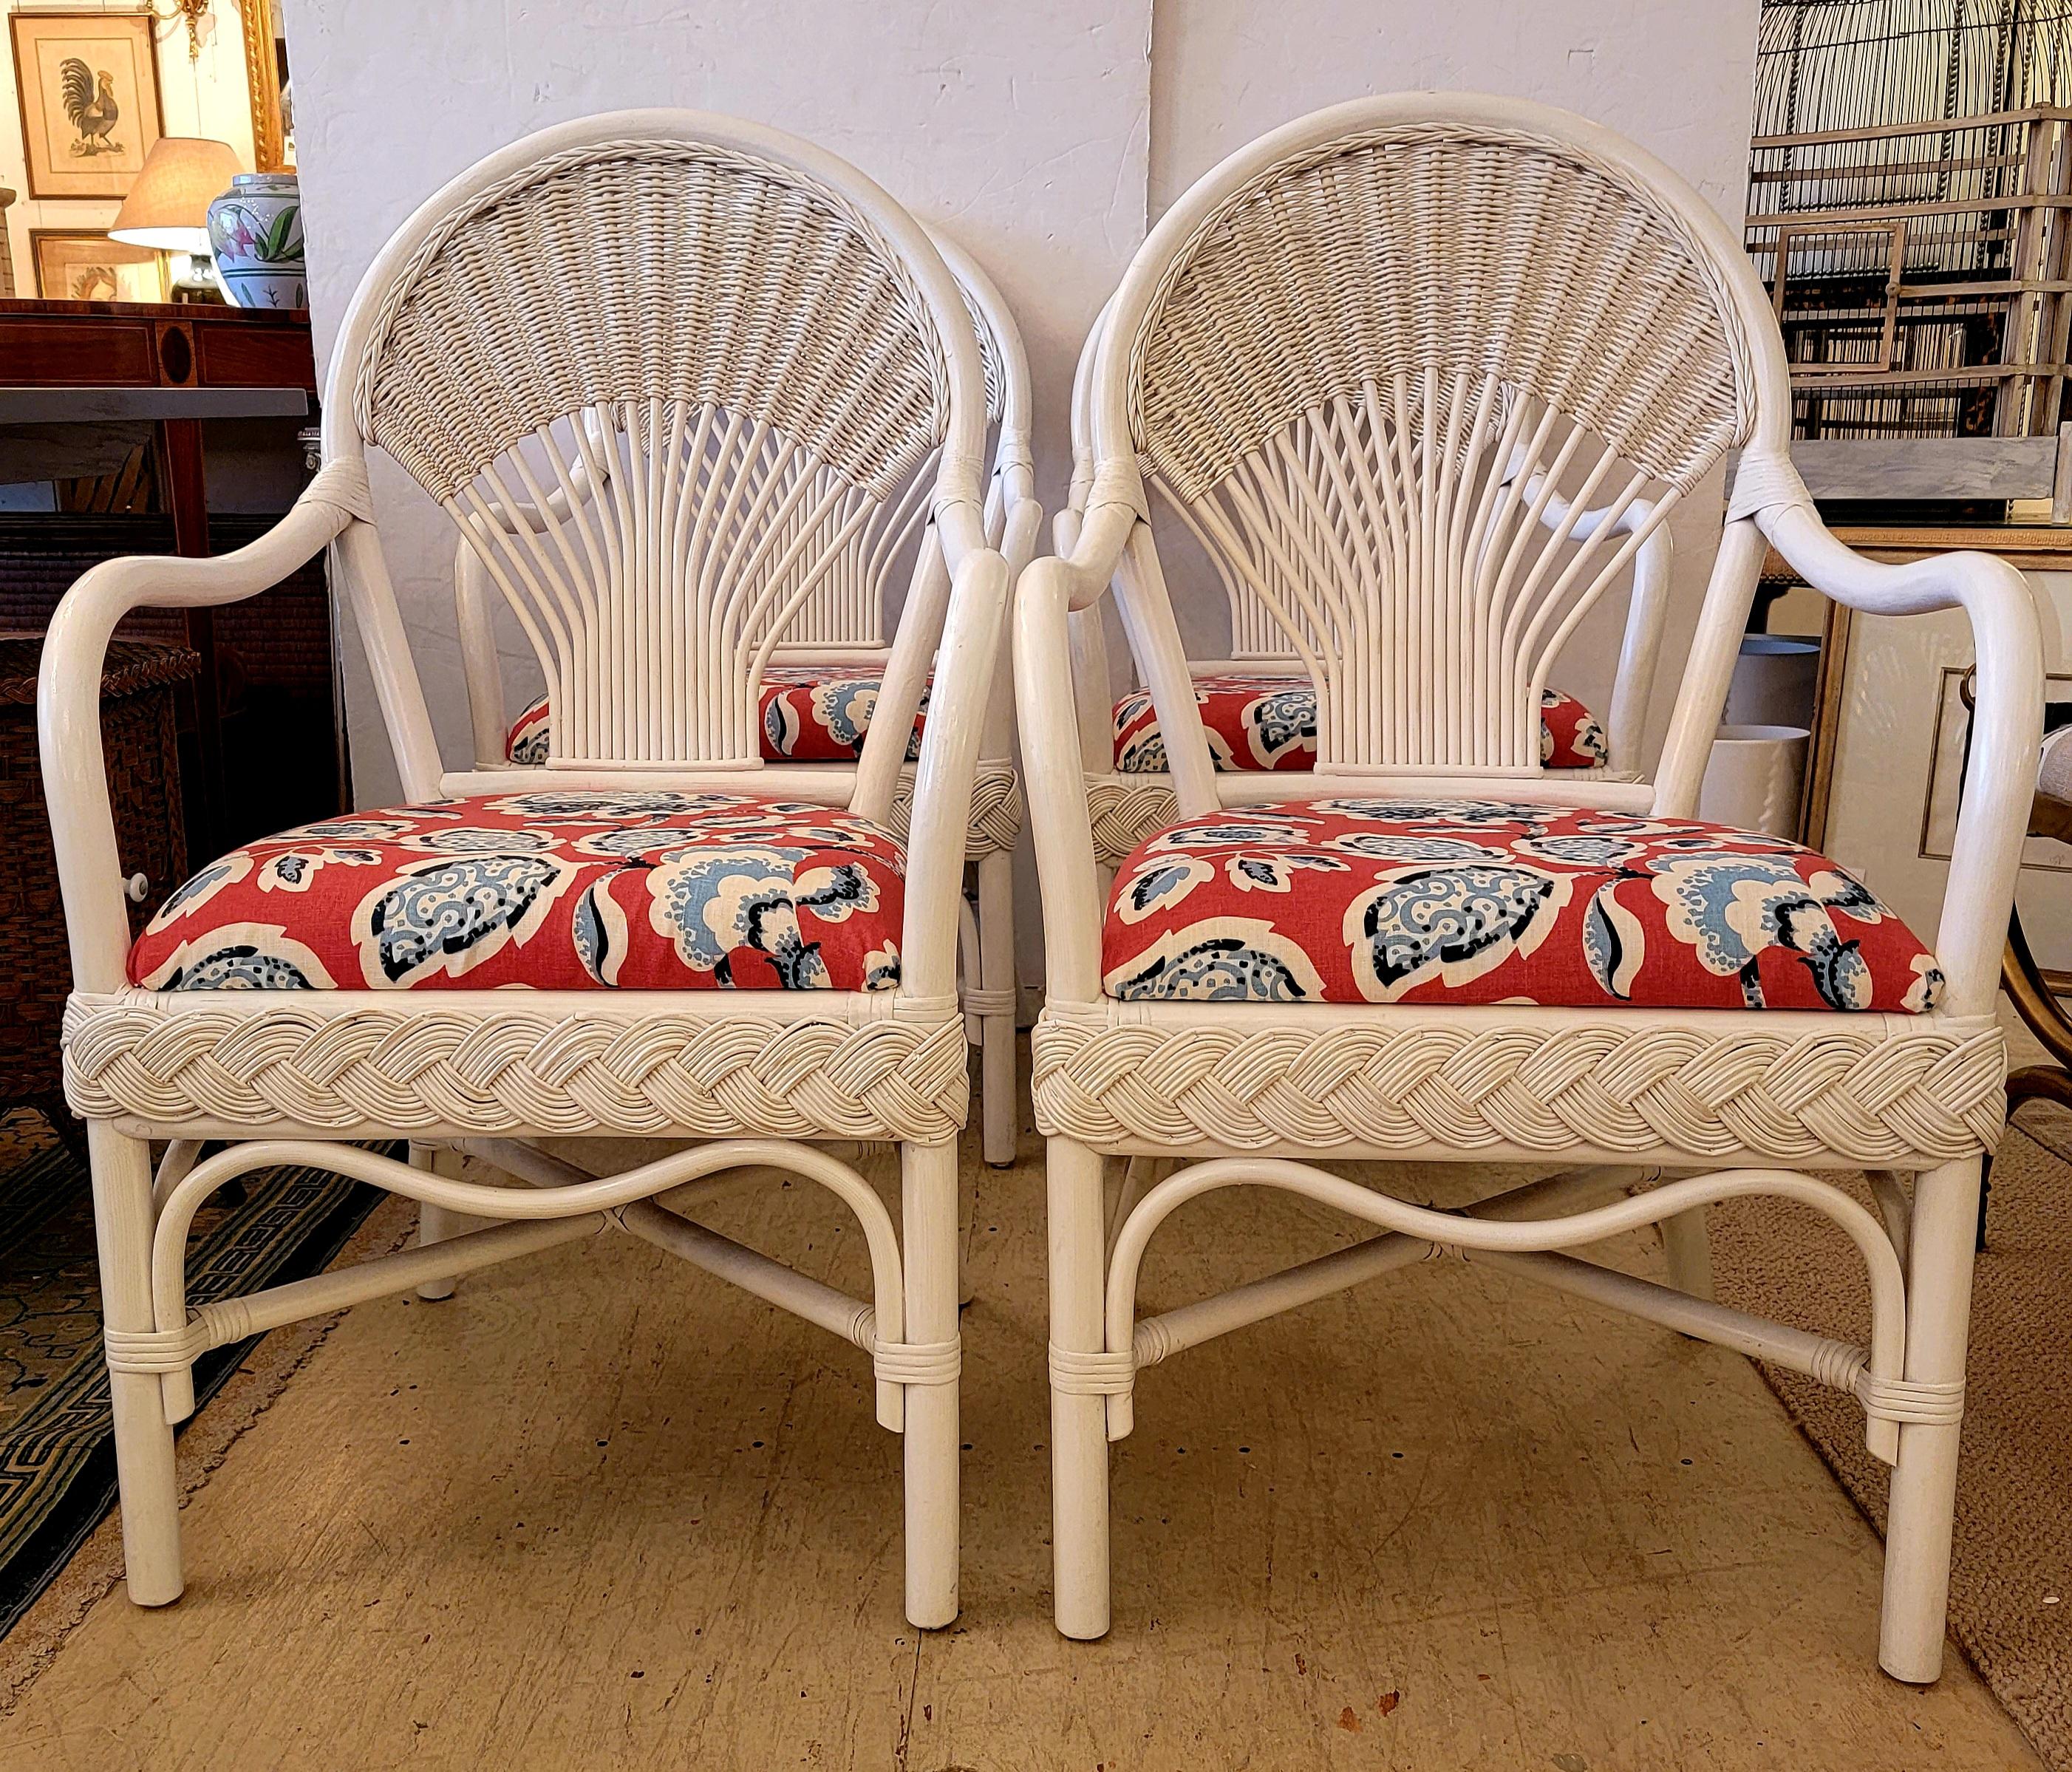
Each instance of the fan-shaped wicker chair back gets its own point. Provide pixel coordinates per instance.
(675, 379)
(844, 615)
(1423, 381)
(842, 618)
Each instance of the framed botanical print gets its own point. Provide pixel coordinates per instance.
(88, 86)
(78, 265)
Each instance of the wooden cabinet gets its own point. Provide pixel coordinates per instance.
(262, 732)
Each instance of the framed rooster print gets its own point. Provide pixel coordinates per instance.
(89, 84)
(78, 265)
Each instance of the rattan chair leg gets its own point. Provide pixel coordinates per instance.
(1924, 1482)
(996, 938)
(1685, 1241)
(1079, 1414)
(436, 1223)
(928, 1230)
(123, 1218)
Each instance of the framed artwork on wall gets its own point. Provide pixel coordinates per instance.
(78, 265)
(89, 87)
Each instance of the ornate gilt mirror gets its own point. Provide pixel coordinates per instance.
(266, 71)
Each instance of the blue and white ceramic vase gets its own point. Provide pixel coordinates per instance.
(256, 228)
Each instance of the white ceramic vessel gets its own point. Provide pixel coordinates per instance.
(256, 228)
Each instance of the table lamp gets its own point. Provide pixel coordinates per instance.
(167, 207)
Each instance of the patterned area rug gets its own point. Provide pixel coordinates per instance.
(57, 1456)
(2011, 1577)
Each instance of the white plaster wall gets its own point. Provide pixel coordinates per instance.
(1675, 76)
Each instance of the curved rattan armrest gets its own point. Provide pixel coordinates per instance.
(68, 705)
(1052, 765)
(943, 777)
(2007, 724)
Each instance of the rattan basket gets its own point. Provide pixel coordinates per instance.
(138, 690)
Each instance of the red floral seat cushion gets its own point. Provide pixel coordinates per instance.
(1384, 901)
(642, 891)
(1264, 720)
(811, 713)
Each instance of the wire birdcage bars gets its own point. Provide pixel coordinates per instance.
(1908, 187)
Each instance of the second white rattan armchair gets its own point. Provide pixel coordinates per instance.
(748, 352)
(1369, 354)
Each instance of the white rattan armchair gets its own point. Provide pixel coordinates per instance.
(1367, 352)
(837, 638)
(754, 351)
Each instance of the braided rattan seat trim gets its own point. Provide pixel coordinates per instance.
(1125, 813)
(482, 1070)
(1854, 1093)
(998, 810)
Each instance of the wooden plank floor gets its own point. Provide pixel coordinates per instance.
(599, 1512)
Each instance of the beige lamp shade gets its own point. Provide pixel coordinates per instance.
(167, 207)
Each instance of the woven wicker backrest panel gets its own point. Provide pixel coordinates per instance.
(684, 404)
(1421, 395)
(1415, 248)
(654, 270)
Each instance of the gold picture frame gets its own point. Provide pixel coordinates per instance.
(87, 85)
(265, 72)
(82, 264)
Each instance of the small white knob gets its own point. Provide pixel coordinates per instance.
(136, 887)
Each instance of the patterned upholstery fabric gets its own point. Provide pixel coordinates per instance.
(1384, 901)
(811, 713)
(1263, 719)
(559, 891)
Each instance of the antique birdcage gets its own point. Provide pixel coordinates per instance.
(1907, 177)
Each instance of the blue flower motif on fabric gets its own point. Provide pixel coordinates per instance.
(450, 915)
(1614, 943)
(1390, 846)
(1144, 754)
(1160, 882)
(1451, 923)
(1226, 960)
(239, 968)
(364, 830)
(638, 843)
(469, 840)
(204, 886)
(242, 956)
(1283, 718)
(1466, 813)
(711, 903)
(580, 806)
(1259, 833)
(297, 870)
(1255, 873)
(1730, 910)
(1578, 851)
(845, 707)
